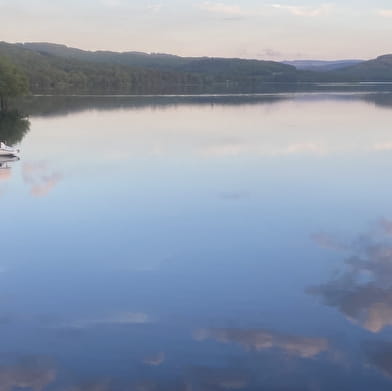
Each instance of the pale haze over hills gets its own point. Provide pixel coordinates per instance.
(287, 30)
(320, 65)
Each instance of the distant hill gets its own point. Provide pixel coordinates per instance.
(232, 69)
(225, 68)
(58, 69)
(134, 59)
(379, 69)
(49, 73)
(376, 70)
(321, 66)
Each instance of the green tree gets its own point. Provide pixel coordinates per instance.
(12, 83)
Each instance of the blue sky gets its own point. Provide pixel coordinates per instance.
(276, 29)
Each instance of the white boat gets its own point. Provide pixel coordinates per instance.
(8, 151)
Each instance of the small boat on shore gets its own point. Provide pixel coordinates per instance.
(8, 151)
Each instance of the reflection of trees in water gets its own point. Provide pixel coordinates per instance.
(382, 100)
(13, 127)
(61, 105)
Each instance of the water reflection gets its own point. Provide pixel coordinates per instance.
(62, 105)
(379, 355)
(259, 340)
(5, 171)
(13, 128)
(210, 379)
(362, 291)
(5, 167)
(381, 100)
(34, 373)
(167, 215)
(120, 319)
(40, 177)
(155, 360)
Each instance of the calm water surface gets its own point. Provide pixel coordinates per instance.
(198, 244)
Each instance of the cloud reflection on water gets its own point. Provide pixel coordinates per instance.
(40, 177)
(33, 373)
(120, 319)
(219, 378)
(5, 171)
(155, 359)
(363, 290)
(379, 355)
(257, 339)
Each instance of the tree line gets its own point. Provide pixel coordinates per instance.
(13, 82)
(62, 70)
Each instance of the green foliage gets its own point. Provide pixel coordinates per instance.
(12, 82)
(231, 67)
(58, 69)
(53, 74)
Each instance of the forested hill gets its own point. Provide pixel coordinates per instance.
(379, 69)
(53, 74)
(232, 67)
(376, 70)
(58, 69)
(134, 59)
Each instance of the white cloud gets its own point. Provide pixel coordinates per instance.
(155, 7)
(300, 10)
(386, 13)
(112, 3)
(221, 8)
(383, 146)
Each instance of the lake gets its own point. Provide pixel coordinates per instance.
(198, 243)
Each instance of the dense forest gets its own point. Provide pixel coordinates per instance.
(52, 73)
(13, 82)
(231, 68)
(57, 69)
(219, 69)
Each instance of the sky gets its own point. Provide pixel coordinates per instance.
(262, 29)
